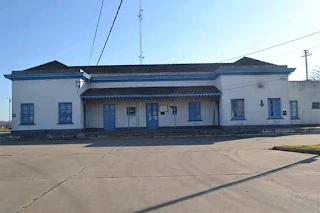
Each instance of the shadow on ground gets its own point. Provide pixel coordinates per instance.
(188, 197)
(177, 141)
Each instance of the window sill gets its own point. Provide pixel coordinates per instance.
(238, 119)
(295, 118)
(274, 118)
(65, 123)
(194, 120)
(27, 124)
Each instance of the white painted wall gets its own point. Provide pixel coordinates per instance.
(94, 112)
(305, 92)
(153, 84)
(245, 87)
(209, 72)
(83, 87)
(46, 95)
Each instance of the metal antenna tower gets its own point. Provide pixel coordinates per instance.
(140, 26)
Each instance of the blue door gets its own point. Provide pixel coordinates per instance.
(109, 116)
(152, 116)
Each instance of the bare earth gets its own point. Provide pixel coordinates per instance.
(160, 175)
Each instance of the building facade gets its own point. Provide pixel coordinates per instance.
(248, 92)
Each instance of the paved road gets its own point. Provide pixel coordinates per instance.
(159, 175)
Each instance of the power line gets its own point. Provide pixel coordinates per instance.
(291, 52)
(277, 45)
(114, 20)
(95, 34)
(287, 53)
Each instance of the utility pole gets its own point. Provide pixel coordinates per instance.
(306, 54)
(140, 28)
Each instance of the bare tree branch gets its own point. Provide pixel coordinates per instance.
(315, 74)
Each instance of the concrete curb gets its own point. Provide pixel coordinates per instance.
(300, 150)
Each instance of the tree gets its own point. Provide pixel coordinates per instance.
(315, 74)
(4, 124)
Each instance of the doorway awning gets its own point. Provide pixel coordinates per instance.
(151, 92)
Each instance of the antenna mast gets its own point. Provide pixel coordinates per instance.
(140, 26)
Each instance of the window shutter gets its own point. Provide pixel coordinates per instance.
(233, 108)
(269, 107)
(277, 108)
(194, 111)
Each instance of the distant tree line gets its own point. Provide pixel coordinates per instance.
(5, 124)
(315, 74)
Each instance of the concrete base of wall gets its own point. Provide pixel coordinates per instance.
(35, 132)
(269, 126)
(162, 133)
(117, 130)
(144, 129)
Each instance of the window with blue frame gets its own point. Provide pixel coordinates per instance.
(294, 110)
(274, 108)
(27, 114)
(194, 111)
(65, 113)
(237, 109)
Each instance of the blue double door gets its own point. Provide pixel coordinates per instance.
(152, 116)
(109, 116)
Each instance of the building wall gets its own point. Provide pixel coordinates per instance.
(46, 95)
(253, 89)
(83, 87)
(305, 92)
(153, 84)
(94, 112)
(178, 73)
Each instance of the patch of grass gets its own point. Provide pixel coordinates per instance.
(4, 130)
(311, 147)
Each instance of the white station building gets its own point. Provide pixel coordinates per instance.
(248, 92)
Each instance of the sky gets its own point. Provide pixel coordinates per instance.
(174, 31)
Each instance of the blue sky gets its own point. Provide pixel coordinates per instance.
(174, 31)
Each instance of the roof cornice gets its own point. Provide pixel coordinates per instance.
(45, 76)
(251, 71)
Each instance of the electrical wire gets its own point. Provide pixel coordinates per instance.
(291, 52)
(114, 20)
(95, 34)
(277, 45)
